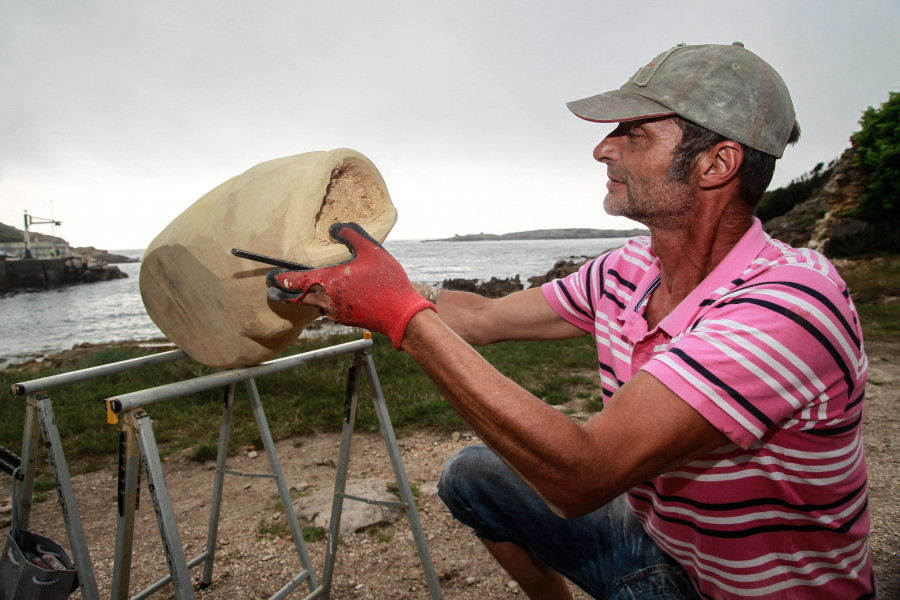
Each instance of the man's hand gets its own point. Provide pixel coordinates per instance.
(370, 290)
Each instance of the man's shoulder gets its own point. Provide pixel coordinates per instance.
(781, 262)
(790, 278)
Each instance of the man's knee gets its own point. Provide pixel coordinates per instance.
(459, 473)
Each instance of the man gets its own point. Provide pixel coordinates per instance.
(727, 461)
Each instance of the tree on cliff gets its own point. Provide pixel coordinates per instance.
(878, 143)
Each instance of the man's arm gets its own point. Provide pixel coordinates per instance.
(644, 429)
(523, 315)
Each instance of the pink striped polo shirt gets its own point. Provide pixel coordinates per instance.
(768, 348)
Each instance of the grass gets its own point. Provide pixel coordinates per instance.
(313, 533)
(274, 530)
(280, 529)
(379, 534)
(394, 488)
(875, 287)
(308, 399)
(204, 452)
(296, 402)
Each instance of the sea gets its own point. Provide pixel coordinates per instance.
(37, 323)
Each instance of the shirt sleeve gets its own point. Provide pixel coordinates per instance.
(571, 296)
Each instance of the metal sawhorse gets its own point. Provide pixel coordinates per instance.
(40, 420)
(138, 444)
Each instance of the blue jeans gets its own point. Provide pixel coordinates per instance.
(606, 553)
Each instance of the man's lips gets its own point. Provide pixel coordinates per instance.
(613, 182)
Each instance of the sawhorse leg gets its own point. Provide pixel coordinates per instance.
(39, 417)
(218, 487)
(128, 493)
(138, 425)
(364, 361)
(287, 503)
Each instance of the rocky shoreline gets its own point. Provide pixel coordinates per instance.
(103, 256)
(36, 273)
(497, 287)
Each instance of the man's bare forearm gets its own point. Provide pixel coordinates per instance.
(463, 312)
(522, 315)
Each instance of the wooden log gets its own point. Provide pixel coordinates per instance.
(213, 305)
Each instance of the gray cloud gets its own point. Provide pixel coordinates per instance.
(125, 113)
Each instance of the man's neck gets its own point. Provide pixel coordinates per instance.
(688, 252)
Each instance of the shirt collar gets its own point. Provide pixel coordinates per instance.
(634, 326)
(735, 262)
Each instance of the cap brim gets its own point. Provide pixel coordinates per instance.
(617, 105)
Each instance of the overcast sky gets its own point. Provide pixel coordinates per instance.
(116, 116)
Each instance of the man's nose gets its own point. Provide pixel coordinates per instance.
(604, 150)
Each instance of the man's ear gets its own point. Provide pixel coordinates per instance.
(719, 165)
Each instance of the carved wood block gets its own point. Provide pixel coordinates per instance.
(213, 305)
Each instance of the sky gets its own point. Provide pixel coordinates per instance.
(117, 116)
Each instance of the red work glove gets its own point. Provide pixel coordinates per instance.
(371, 290)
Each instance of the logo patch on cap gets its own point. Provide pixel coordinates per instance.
(643, 75)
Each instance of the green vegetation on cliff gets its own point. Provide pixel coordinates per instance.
(878, 142)
(851, 208)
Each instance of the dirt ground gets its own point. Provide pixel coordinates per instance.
(383, 563)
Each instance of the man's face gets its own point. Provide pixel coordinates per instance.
(637, 155)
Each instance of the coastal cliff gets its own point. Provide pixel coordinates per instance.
(821, 221)
(852, 208)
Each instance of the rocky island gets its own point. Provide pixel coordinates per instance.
(546, 234)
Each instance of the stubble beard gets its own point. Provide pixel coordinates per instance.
(652, 203)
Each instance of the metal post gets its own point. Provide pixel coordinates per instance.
(285, 494)
(351, 402)
(72, 519)
(412, 514)
(27, 241)
(218, 486)
(30, 445)
(128, 494)
(138, 444)
(162, 505)
(45, 384)
(39, 418)
(126, 402)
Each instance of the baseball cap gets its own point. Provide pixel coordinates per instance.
(725, 88)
